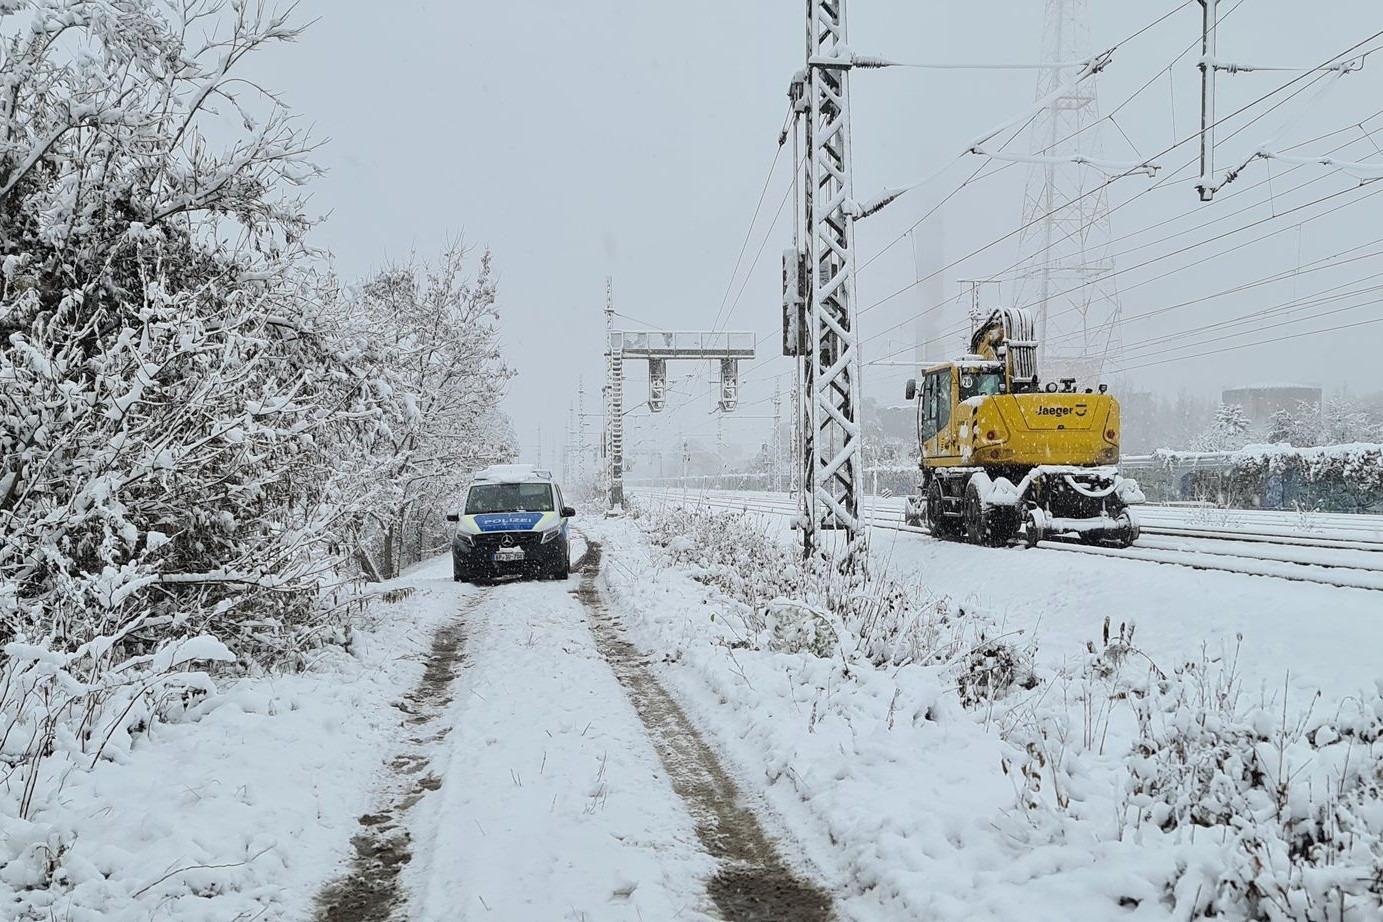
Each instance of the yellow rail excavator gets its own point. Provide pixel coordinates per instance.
(1005, 457)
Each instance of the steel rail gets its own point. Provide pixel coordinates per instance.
(1262, 537)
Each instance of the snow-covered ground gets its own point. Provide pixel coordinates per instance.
(247, 805)
(503, 752)
(1313, 637)
(473, 755)
(1040, 805)
(560, 782)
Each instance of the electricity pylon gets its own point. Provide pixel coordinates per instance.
(1066, 274)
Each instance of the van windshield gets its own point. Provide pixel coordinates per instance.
(509, 497)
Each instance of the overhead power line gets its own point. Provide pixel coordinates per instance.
(1159, 184)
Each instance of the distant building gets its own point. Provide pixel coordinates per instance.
(1261, 401)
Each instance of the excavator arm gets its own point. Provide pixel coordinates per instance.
(1009, 336)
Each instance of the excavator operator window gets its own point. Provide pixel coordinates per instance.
(935, 411)
(980, 384)
(926, 409)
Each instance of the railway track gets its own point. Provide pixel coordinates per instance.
(1280, 539)
(1273, 552)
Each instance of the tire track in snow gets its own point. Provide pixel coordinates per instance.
(554, 803)
(369, 891)
(754, 883)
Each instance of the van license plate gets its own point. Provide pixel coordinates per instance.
(508, 554)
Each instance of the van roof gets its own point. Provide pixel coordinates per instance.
(512, 473)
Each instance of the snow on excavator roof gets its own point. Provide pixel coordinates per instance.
(512, 473)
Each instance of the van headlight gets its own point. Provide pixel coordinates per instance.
(551, 533)
(465, 539)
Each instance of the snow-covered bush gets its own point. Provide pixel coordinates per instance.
(798, 605)
(1068, 718)
(198, 431)
(163, 382)
(1337, 477)
(1291, 800)
(1252, 806)
(1353, 470)
(84, 706)
(168, 403)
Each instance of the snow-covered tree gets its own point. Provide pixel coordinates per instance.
(196, 428)
(1346, 419)
(1228, 430)
(1299, 426)
(163, 379)
(434, 328)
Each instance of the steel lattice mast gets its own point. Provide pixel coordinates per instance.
(1066, 274)
(614, 403)
(829, 344)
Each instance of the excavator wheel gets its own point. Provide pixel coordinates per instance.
(984, 524)
(1004, 524)
(940, 525)
(1128, 528)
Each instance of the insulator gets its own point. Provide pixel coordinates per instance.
(657, 384)
(795, 332)
(729, 385)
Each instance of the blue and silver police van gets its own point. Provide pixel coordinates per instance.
(513, 520)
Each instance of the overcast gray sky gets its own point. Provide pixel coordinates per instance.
(632, 138)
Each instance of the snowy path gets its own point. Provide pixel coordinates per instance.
(753, 883)
(553, 804)
(551, 777)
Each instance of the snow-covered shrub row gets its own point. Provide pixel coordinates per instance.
(1249, 806)
(203, 439)
(1345, 477)
(1356, 468)
(1286, 804)
(793, 605)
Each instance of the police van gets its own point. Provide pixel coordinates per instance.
(513, 520)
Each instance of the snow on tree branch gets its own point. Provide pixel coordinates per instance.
(204, 440)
